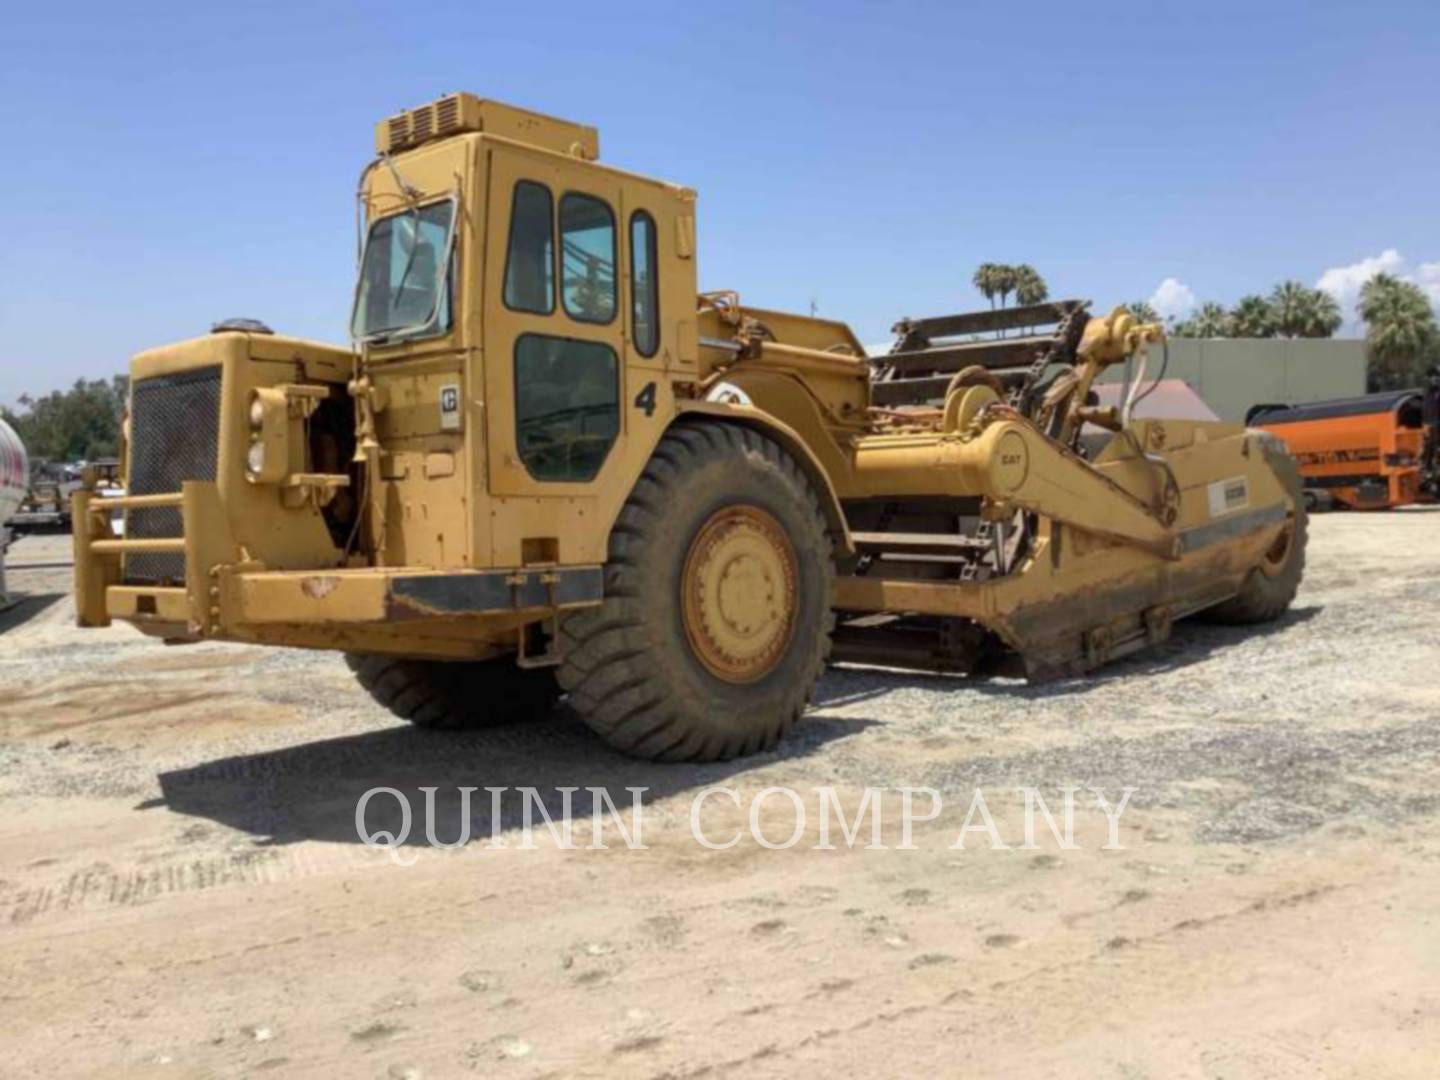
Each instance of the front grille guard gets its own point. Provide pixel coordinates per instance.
(204, 543)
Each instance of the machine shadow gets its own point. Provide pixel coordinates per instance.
(1191, 642)
(26, 607)
(311, 791)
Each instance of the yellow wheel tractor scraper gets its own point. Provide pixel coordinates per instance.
(547, 465)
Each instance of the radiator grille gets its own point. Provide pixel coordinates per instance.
(174, 437)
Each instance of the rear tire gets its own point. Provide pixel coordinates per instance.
(716, 620)
(1270, 588)
(456, 694)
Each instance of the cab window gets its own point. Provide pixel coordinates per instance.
(644, 288)
(567, 406)
(404, 290)
(530, 259)
(587, 258)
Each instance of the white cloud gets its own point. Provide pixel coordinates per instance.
(1428, 278)
(1344, 282)
(1172, 299)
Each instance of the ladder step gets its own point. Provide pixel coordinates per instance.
(917, 543)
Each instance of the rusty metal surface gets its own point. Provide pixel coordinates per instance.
(993, 353)
(988, 322)
(919, 371)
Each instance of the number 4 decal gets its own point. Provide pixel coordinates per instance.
(646, 399)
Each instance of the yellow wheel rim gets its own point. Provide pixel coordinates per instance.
(738, 594)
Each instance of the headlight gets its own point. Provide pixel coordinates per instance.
(268, 458)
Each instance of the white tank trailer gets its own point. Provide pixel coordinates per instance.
(14, 482)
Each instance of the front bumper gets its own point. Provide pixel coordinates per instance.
(223, 596)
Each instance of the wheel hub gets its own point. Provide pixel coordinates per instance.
(1279, 551)
(738, 593)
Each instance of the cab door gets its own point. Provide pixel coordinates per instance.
(554, 328)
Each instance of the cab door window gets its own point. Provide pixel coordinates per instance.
(587, 258)
(644, 288)
(530, 257)
(567, 406)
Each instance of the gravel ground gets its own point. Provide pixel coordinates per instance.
(181, 883)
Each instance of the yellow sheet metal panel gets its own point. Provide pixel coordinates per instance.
(169, 605)
(319, 597)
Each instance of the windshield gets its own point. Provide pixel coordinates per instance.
(402, 286)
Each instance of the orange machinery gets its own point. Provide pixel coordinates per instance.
(1363, 453)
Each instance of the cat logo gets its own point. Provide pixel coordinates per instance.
(450, 407)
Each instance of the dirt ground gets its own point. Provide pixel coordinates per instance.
(183, 892)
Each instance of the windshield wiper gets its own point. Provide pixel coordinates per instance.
(410, 258)
(412, 195)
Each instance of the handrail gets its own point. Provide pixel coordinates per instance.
(138, 546)
(137, 502)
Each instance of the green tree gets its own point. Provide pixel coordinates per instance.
(1006, 278)
(1289, 306)
(1209, 321)
(1252, 317)
(1030, 287)
(1143, 310)
(82, 422)
(986, 280)
(1301, 312)
(1400, 332)
(997, 279)
(1325, 317)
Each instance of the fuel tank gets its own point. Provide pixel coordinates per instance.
(14, 472)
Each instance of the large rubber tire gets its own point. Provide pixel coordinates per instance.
(633, 673)
(455, 694)
(1269, 589)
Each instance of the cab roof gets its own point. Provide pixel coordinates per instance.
(456, 114)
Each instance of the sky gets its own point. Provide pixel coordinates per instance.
(167, 166)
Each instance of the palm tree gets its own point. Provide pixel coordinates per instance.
(1302, 312)
(1143, 310)
(1006, 278)
(996, 279)
(1288, 303)
(1293, 308)
(1252, 317)
(1379, 288)
(1400, 330)
(986, 281)
(1209, 321)
(1030, 287)
(1325, 317)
